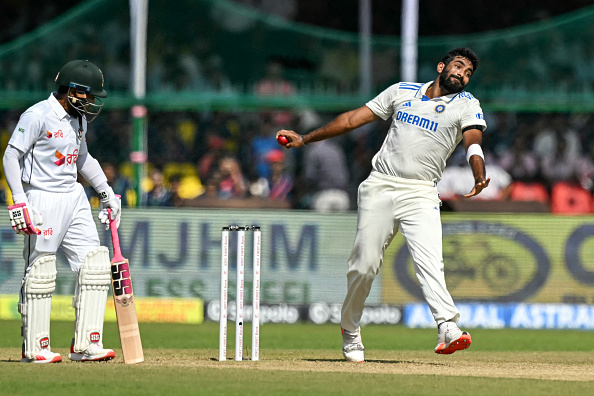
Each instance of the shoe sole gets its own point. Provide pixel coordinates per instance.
(55, 359)
(74, 358)
(460, 344)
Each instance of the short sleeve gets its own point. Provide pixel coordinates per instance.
(383, 104)
(26, 132)
(473, 115)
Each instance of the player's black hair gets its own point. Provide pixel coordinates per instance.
(464, 52)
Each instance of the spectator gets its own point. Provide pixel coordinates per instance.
(211, 188)
(561, 166)
(519, 161)
(121, 185)
(327, 173)
(174, 198)
(457, 179)
(233, 183)
(279, 185)
(159, 195)
(261, 145)
(208, 163)
(275, 84)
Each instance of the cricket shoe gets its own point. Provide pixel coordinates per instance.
(44, 356)
(451, 339)
(94, 353)
(352, 346)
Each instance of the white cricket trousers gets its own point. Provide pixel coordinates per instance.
(388, 204)
(67, 222)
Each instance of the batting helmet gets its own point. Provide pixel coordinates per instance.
(82, 73)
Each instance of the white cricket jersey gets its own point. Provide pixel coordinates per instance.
(50, 139)
(424, 132)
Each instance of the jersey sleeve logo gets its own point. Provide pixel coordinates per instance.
(480, 116)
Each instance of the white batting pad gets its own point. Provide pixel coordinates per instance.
(90, 297)
(35, 305)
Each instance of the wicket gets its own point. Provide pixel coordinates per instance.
(257, 241)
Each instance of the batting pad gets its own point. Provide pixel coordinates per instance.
(35, 305)
(90, 297)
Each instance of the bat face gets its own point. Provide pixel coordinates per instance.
(122, 283)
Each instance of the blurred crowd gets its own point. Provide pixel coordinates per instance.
(232, 159)
(213, 48)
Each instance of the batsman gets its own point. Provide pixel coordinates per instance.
(45, 153)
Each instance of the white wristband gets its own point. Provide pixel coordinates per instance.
(474, 149)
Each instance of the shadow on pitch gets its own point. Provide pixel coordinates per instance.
(376, 361)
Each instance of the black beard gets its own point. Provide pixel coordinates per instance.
(446, 83)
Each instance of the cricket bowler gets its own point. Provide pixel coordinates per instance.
(428, 121)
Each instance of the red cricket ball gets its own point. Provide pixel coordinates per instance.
(282, 140)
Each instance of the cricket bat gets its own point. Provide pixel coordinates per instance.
(124, 300)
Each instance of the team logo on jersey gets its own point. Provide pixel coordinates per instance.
(61, 158)
(480, 116)
(67, 159)
(439, 109)
(57, 134)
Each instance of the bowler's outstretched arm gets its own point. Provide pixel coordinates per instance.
(342, 124)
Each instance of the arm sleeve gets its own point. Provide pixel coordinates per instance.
(12, 170)
(382, 105)
(473, 115)
(90, 169)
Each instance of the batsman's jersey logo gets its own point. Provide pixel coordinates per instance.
(67, 159)
(61, 158)
(122, 284)
(57, 134)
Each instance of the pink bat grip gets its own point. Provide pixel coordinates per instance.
(115, 239)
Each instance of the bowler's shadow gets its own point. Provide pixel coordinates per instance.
(383, 361)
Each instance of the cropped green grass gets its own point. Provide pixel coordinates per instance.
(305, 359)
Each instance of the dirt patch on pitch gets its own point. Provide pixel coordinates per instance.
(562, 366)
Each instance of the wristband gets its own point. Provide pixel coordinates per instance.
(474, 149)
(303, 140)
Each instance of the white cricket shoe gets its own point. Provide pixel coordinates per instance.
(44, 356)
(94, 353)
(352, 346)
(451, 339)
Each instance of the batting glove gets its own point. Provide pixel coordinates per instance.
(25, 219)
(113, 202)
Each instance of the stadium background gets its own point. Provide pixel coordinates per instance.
(223, 77)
